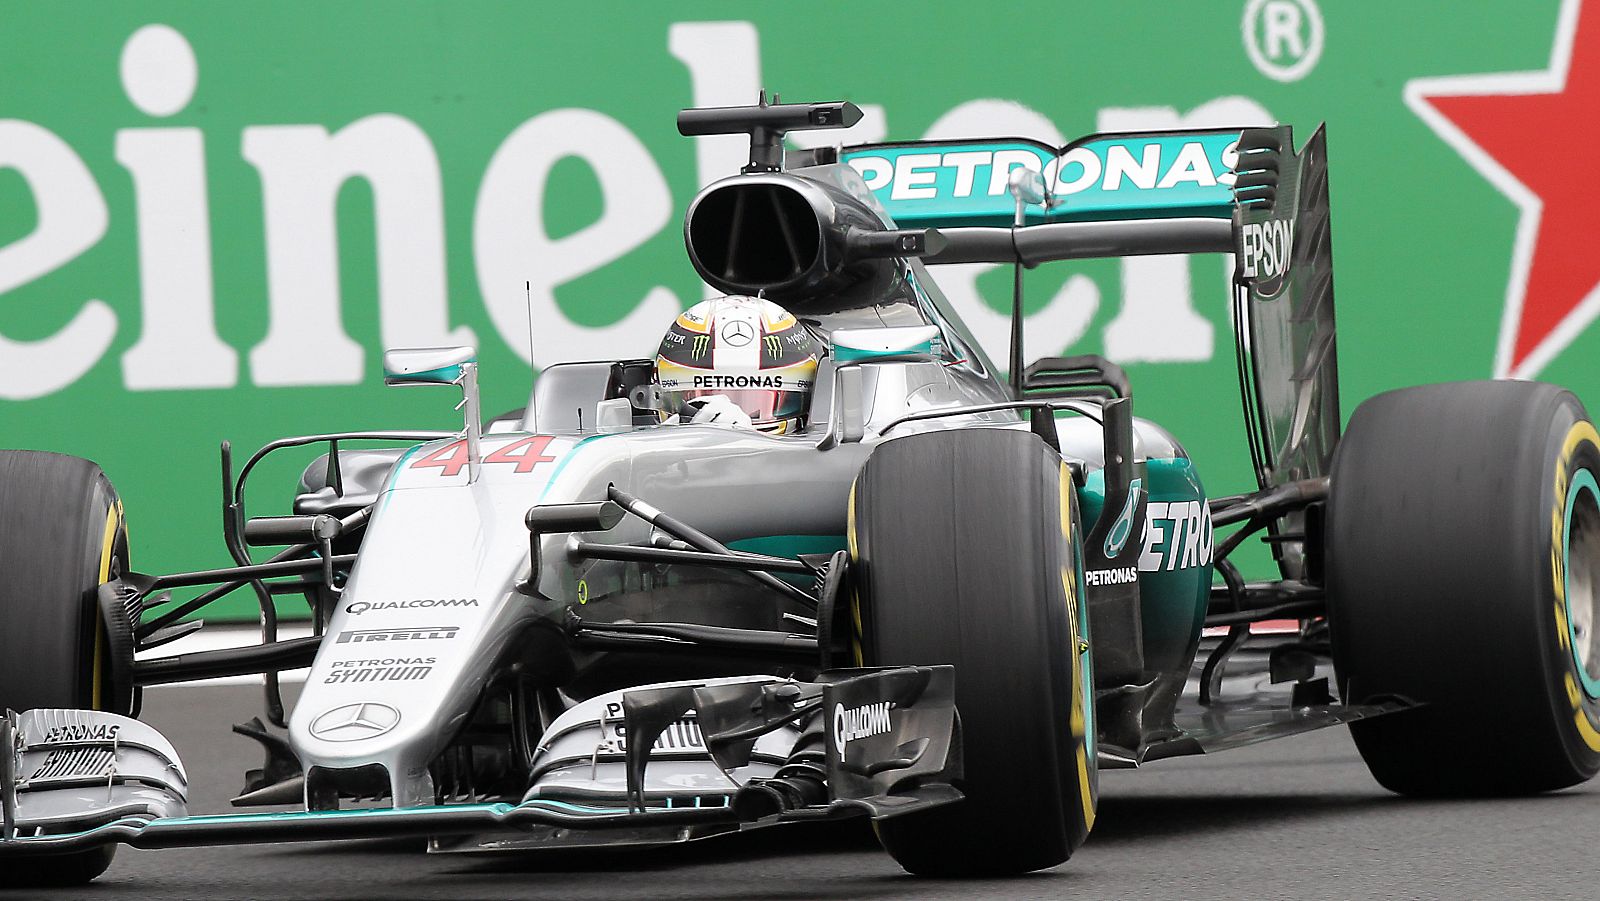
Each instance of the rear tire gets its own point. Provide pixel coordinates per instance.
(61, 535)
(965, 551)
(1463, 537)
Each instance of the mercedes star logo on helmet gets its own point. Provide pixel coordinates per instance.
(353, 722)
(738, 333)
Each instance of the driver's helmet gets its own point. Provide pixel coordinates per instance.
(746, 349)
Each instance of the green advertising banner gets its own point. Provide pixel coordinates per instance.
(214, 217)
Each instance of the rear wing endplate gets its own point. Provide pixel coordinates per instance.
(1283, 274)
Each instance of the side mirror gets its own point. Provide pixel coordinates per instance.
(409, 366)
(903, 342)
(426, 365)
(1027, 185)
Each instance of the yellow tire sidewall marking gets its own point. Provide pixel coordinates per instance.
(108, 545)
(1077, 718)
(1581, 432)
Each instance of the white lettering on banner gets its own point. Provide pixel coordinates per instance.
(178, 346)
(724, 63)
(159, 71)
(1283, 27)
(511, 246)
(1158, 321)
(71, 219)
(1065, 318)
(1292, 32)
(302, 170)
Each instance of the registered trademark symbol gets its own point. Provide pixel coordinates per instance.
(1282, 37)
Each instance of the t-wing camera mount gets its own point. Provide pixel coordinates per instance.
(766, 124)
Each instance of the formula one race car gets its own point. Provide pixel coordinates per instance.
(592, 623)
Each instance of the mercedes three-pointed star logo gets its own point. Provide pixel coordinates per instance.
(738, 333)
(353, 722)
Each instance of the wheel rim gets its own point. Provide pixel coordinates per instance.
(1581, 553)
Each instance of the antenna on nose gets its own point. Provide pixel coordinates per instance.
(527, 292)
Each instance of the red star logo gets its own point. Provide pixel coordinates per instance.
(1529, 134)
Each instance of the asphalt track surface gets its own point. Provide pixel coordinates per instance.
(1296, 818)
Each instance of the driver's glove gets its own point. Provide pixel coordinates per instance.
(717, 409)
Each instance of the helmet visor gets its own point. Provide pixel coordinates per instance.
(762, 404)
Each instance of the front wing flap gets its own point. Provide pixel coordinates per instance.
(888, 734)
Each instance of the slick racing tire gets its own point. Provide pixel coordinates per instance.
(965, 551)
(61, 534)
(1463, 574)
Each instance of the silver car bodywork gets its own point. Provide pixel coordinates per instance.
(449, 594)
(435, 598)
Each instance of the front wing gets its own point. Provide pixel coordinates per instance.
(72, 780)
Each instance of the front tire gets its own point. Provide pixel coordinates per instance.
(965, 551)
(62, 534)
(1463, 572)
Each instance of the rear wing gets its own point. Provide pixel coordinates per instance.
(1121, 194)
(1240, 191)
